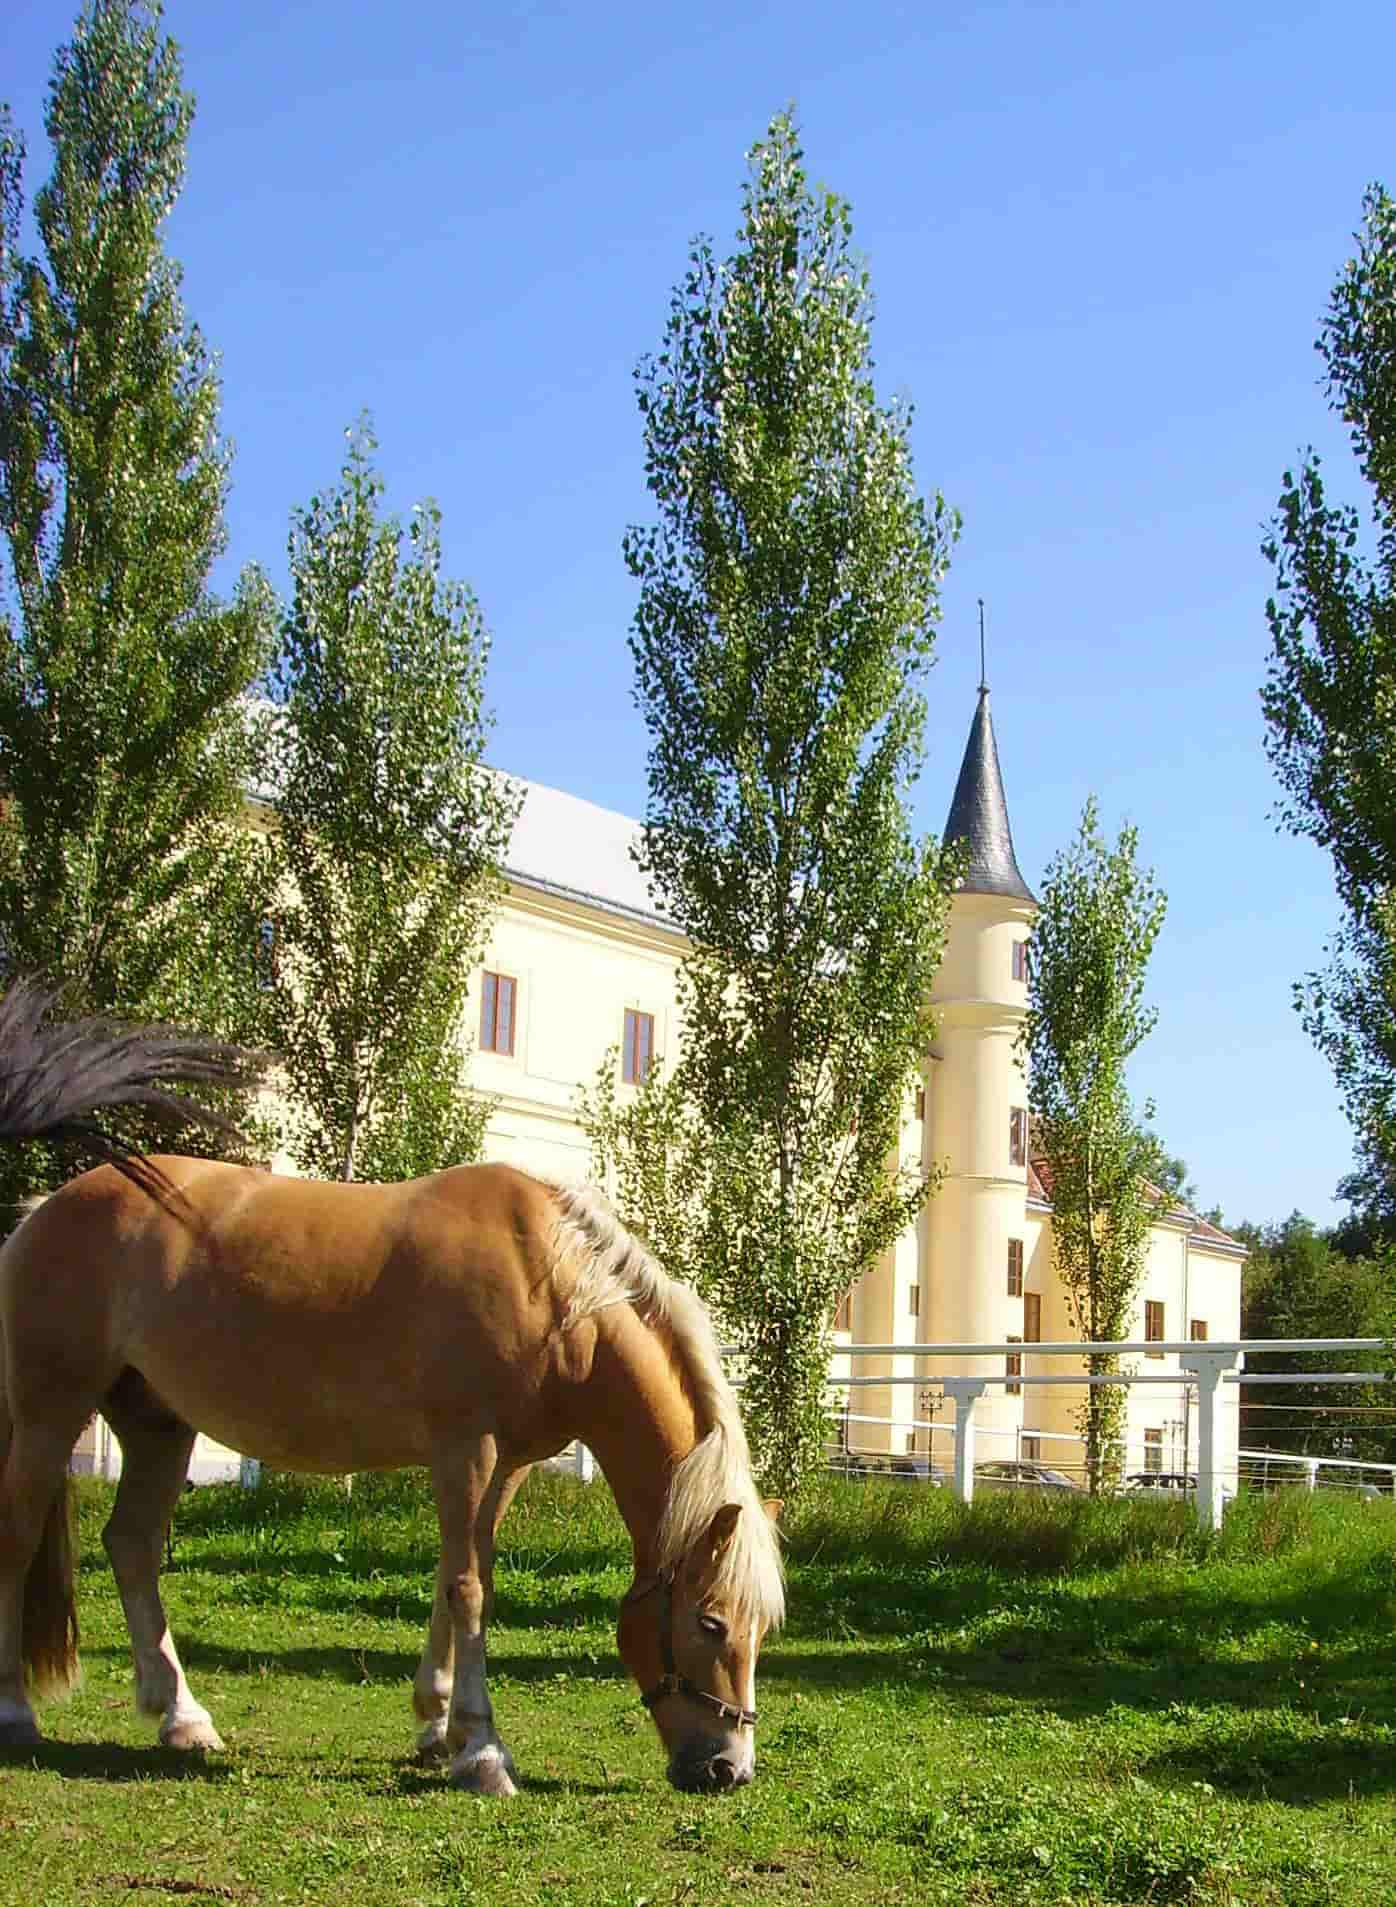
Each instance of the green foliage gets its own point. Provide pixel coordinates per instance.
(647, 1144)
(1330, 694)
(1298, 1284)
(123, 753)
(388, 833)
(1098, 919)
(787, 595)
(1169, 1173)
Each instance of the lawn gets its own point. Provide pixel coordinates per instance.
(1031, 1701)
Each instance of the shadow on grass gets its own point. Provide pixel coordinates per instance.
(357, 1667)
(409, 1778)
(111, 1762)
(1271, 1764)
(340, 1595)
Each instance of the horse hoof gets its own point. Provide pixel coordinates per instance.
(489, 1771)
(19, 1731)
(192, 1737)
(432, 1745)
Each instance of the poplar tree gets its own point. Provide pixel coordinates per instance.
(385, 842)
(788, 591)
(123, 752)
(1330, 699)
(1098, 918)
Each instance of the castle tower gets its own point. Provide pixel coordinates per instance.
(974, 1237)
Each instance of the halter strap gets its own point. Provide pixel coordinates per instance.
(672, 1682)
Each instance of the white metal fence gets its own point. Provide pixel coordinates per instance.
(1205, 1367)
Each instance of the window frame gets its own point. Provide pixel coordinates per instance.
(1020, 961)
(1016, 1256)
(1153, 1452)
(1032, 1317)
(491, 981)
(1013, 1368)
(1154, 1317)
(267, 960)
(1018, 1135)
(635, 1068)
(1197, 1330)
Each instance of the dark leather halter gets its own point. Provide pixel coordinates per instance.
(671, 1682)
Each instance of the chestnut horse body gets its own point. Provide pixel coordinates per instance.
(472, 1322)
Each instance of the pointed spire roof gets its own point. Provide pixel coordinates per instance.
(979, 815)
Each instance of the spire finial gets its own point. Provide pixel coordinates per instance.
(983, 673)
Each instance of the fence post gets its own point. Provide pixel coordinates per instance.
(1209, 1367)
(1311, 1472)
(966, 1392)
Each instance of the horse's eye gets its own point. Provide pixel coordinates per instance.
(713, 1626)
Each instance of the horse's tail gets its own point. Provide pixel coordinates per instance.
(55, 1075)
(49, 1624)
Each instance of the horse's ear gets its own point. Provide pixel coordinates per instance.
(773, 1505)
(722, 1529)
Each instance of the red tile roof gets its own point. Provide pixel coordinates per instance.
(1040, 1187)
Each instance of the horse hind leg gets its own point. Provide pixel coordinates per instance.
(38, 1620)
(155, 1452)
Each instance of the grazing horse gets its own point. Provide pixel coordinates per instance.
(472, 1322)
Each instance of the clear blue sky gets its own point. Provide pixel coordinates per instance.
(1101, 238)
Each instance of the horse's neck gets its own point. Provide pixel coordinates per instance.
(637, 1420)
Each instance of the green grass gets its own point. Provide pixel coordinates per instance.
(1029, 1702)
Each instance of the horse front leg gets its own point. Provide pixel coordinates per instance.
(154, 1464)
(473, 1488)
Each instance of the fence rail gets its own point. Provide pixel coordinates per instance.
(1205, 1366)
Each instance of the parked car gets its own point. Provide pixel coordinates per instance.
(919, 1470)
(1018, 1474)
(1169, 1483)
(908, 1469)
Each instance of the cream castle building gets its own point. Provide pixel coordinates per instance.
(579, 961)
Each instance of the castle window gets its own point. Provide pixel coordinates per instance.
(497, 1014)
(1020, 960)
(1032, 1450)
(843, 1311)
(1013, 1366)
(913, 1301)
(1153, 1450)
(1032, 1317)
(1018, 1136)
(268, 954)
(638, 1051)
(1015, 1267)
(1153, 1323)
(1197, 1330)
(920, 1102)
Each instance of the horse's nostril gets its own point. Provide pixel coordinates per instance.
(721, 1772)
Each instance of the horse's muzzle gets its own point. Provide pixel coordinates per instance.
(708, 1774)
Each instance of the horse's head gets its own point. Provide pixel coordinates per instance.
(689, 1638)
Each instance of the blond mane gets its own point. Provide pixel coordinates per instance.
(609, 1267)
